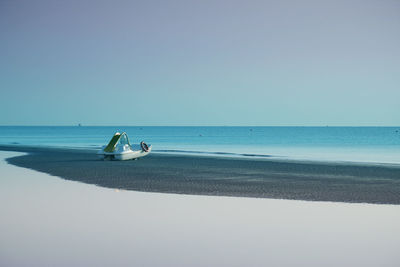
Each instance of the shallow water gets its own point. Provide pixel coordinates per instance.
(358, 144)
(47, 221)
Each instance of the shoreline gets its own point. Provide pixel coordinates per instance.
(209, 154)
(220, 176)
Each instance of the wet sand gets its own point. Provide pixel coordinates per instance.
(199, 175)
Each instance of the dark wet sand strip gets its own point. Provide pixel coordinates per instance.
(220, 176)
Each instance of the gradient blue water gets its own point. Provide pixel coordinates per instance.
(369, 144)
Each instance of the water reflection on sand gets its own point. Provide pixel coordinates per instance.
(49, 221)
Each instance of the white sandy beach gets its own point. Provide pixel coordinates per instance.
(47, 221)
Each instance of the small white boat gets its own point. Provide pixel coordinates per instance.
(119, 148)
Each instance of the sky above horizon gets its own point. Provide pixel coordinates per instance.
(220, 62)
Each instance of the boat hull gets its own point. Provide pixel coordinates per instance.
(125, 155)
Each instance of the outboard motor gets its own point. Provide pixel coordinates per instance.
(144, 146)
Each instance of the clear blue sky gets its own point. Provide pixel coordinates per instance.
(200, 62)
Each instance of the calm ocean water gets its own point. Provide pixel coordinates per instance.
(358, 144)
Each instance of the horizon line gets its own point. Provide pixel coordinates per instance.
(102, 125)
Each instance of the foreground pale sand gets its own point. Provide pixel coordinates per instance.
(47, 221)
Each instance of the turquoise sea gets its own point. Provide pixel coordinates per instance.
(356, 144)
